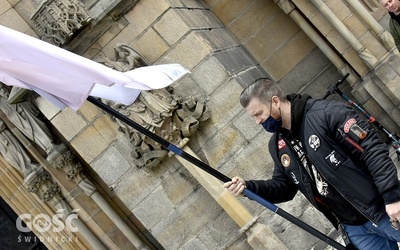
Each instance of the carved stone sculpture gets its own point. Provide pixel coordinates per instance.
(57, 21)
(170, 116)
(126, 58)
(14, 153)
(24, 116)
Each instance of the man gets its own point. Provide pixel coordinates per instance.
(324, 150)
(393, 7)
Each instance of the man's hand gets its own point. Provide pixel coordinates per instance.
(236, 186)
(393, 210)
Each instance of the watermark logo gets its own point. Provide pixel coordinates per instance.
(43, 222)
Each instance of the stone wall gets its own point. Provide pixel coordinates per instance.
(225, 45)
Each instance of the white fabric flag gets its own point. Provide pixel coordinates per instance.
(63, 77)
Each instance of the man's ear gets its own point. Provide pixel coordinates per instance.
(275, 100)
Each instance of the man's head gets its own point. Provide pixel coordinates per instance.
(391, 5)
(263, 100)
(263, 89)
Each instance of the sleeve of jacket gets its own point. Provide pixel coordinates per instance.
(374, 156)
(277, 189)
(394, 28)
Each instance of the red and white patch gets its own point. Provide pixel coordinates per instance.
(281, 144)
(348, 124)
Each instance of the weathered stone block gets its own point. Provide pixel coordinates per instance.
(340, 9)
(209, 75)
(223, 109)
(253, 160)
(106, 128)
(214, 233)
(136, 184)
(150, 50)
(394, 62)
(13, 20)
(235, 60)
(175, 3)
(179, 186)
(228, 10)
(112, 32)
(355, 26)
(68, 123)
(219, 39)
(194, 243)
(246, 125)
(47, 108)
(303, 239)
(251, 74)
(260, 12)
(319, 85)
(185, 221)
(89, 144)
(223, 146)
(4, 6)
(199, 18)
(171, 27)
(323, 25)
(111, 165)
(89, 111)
(210, 3)
(315, 63)
(263, 44)
(262, 237)
(306, 7)
(87, 208)
(296, 49)
(184, 54)
(187, 87)
(94, 49)
(145, 13)
(154, 208)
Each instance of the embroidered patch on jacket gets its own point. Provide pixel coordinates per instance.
(285, 160)
(314, 142)
(281, 144)
(347, 125)
(334, 159)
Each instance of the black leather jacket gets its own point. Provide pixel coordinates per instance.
(359, 169)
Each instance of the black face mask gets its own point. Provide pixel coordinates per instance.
(271, 124)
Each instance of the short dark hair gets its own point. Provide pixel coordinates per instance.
(263, 89)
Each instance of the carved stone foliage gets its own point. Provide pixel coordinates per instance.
(166, 114)
(69, 164)
(57, 21)
(43, 185)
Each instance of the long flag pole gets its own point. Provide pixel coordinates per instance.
(249, 194)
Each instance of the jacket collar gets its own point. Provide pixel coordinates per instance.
(298, 103)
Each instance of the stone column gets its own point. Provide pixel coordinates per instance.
(41, 183)
(74, 173)
(14, 192)
(376, 89)
(288, 7)
(379, 31)
(368, 58)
